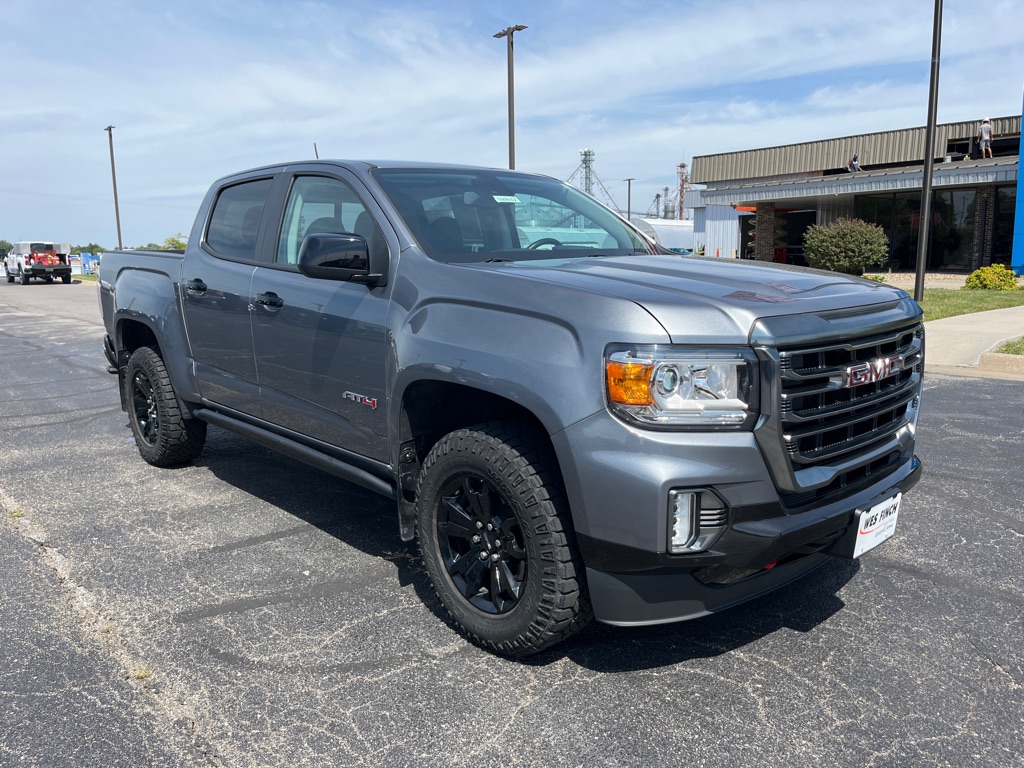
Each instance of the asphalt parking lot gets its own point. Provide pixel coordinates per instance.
(250, 611)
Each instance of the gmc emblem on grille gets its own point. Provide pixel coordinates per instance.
(873, 370)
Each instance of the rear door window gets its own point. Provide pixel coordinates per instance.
(235, 219)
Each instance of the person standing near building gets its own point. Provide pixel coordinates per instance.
(985, 137)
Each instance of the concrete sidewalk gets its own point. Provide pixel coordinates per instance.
(963, 344)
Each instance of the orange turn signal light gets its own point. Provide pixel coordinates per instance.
(629, 383)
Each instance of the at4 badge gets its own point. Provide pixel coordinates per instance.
(361, 399)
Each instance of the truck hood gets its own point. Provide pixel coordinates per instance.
(706, 299)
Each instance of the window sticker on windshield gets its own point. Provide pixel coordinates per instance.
(506, 199)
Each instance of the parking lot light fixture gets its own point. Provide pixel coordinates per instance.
(507, 33)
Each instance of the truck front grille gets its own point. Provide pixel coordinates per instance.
(843, 411)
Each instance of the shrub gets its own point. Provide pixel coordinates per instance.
(993, 278)
(845, 245)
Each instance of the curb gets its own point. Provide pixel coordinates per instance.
(976, 372)
(997, 361)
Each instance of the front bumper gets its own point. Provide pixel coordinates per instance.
(776, 551)
(618, 481)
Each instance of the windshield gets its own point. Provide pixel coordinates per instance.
(479, 215)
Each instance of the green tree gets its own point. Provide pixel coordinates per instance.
(6, 246)
(846, 245)
(175, 242)
(78, 250)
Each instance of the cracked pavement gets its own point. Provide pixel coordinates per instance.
(250, 611)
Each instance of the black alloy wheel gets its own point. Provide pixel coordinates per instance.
(144, 410)
(481, 544)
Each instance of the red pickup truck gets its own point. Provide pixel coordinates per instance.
(44, 260)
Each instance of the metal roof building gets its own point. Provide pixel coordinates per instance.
(757, 203)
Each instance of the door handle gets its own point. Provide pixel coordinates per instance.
(196, 286)
(270, 300)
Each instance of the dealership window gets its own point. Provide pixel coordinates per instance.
(952, 230)
(949, 246)
(1002, 244)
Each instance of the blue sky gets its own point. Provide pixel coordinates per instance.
(198, 90)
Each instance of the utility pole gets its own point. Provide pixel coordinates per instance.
(113, 175)
(508, 32)
(925, 227)
(629, 197)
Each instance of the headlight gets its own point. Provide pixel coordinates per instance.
(671, 387)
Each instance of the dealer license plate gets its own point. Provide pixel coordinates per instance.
(876, 525)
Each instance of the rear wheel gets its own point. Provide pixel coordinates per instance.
(22, 276)
(164, 436)
(497, 542)
(66, 279)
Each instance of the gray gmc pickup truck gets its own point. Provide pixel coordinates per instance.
(573, 422)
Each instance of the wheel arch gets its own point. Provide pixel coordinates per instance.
(132, 332)
(431, 409)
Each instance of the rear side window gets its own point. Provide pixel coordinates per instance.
(235, 219)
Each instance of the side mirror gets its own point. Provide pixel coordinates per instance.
(337, 257)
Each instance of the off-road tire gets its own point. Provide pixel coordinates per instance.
(165, 438)
(10, 277)
(532, 594)
(66, 279)
(23, 277)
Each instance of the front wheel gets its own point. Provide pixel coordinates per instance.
(497, 542)
(10, 277)
(164, 436)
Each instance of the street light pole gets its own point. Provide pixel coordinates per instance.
(113, 175)
(508, 32)
(925, 226)
(629, 197)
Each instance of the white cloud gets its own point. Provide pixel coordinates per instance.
(199, 90)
